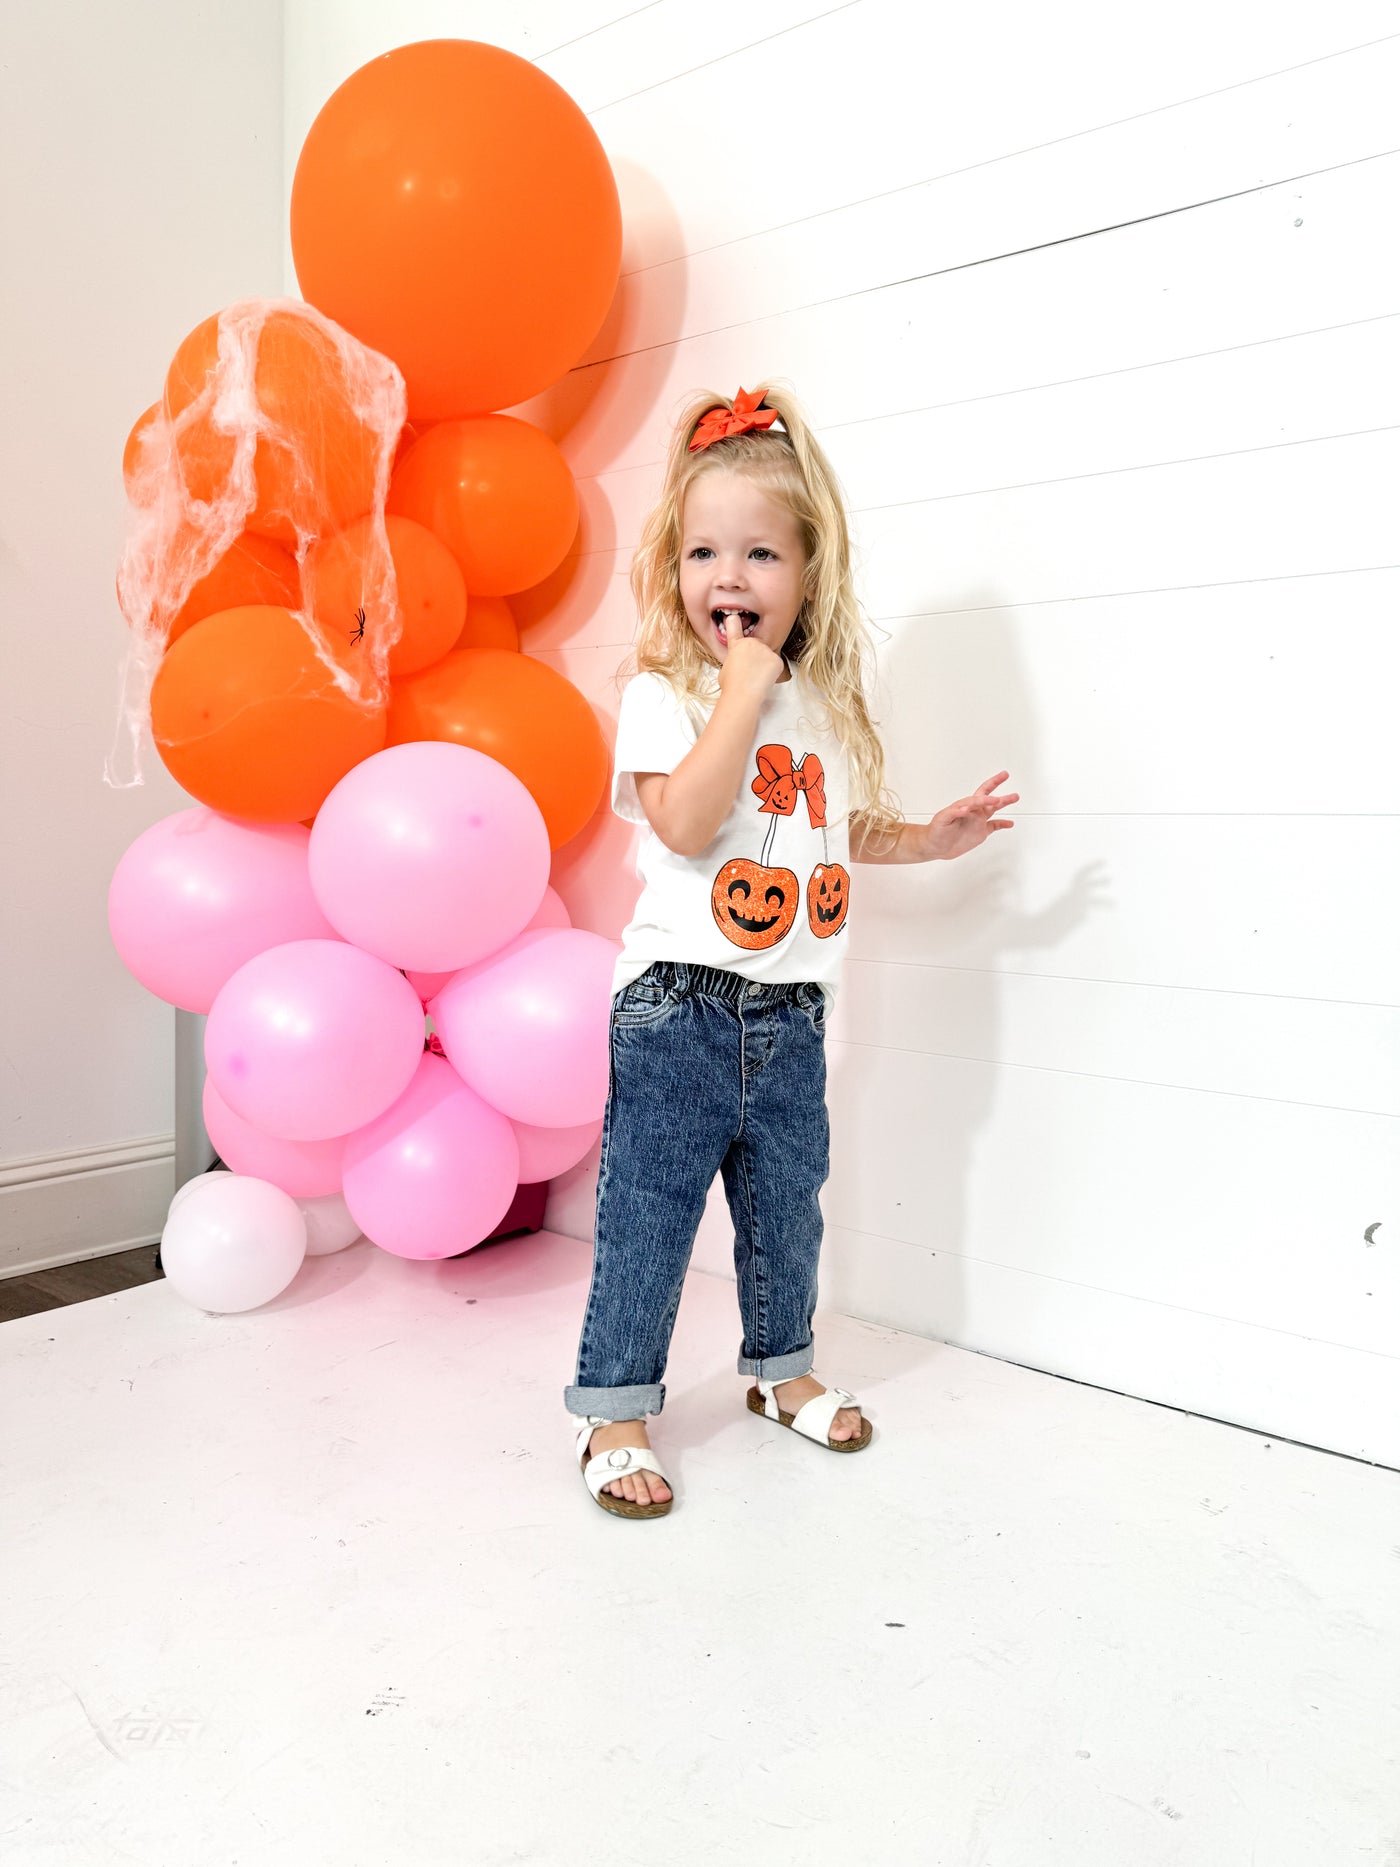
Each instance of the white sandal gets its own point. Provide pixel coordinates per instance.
(813, 1418)
(605, 1467)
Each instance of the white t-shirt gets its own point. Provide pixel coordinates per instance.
(768, 897)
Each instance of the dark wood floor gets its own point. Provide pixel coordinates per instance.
(76, 1283)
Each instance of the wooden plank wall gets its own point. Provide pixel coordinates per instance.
(1096, 314)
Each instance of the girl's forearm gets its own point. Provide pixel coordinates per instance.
(700, 792)
(907, 846)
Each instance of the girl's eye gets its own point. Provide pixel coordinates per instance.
(763, 548)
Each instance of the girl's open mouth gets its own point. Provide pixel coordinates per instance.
(748, 617)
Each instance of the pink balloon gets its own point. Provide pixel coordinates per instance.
(550, 913)
(528, 1027)
(429, 855)
(547, 1151)
(436, 1173)
(312, 1039)
(428, 984)
(198, 894)
(303, 1169)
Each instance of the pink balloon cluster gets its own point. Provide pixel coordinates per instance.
(422, 886)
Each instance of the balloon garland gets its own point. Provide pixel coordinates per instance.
(328, 513)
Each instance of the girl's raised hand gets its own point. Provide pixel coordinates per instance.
(962, 826)
(749, 667)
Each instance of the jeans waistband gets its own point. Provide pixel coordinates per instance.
(719, 982)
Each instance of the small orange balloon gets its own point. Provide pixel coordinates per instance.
(520, 713)
(410, 432)
(499, 495)
(490, 623)
(131, 453)
(453, 206)
(248, 719)
(252, 571)
(340, 583)
(315, 471)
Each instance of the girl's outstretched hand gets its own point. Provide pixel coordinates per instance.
(964, 825)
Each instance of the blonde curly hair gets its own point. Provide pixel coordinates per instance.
(830, 641)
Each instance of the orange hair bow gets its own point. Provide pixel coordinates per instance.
(746, 413)
(779, 782)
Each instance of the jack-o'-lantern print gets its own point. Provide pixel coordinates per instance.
(755, 904)
(828, 897)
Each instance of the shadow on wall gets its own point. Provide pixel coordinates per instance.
(953, 709)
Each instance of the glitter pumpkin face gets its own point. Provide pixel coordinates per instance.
(754, 905)
(828, 897)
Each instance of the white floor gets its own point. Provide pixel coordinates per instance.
(319, 1585)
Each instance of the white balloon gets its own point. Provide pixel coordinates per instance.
(192, 1186)
(329, 1226)
(237, 1246)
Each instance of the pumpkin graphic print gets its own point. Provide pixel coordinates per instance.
(755, 903)
(828, 897)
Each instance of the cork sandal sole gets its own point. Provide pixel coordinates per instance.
(754, 1401)
(627, 1507)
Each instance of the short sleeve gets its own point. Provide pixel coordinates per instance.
(653, 734)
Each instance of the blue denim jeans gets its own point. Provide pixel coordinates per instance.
(708, 1073)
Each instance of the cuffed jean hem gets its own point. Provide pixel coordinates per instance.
(615, 1403)
(777, 1367)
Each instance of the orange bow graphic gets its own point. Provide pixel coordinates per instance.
(779, 781)
(718, 422)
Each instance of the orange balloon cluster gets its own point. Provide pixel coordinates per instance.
(455, 222)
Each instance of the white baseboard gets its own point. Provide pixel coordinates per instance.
(84, 1203)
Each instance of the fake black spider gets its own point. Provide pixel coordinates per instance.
(359, 634)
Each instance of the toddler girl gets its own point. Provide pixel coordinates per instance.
(745, 745)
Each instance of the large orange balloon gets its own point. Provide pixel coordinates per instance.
(341, 576)
(490, 623)
(251, 723)
(519, 712)
(499, 495)
(315, 472)
(252, 571)
(454, 208)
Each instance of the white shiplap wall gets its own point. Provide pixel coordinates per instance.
(1097, 319)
